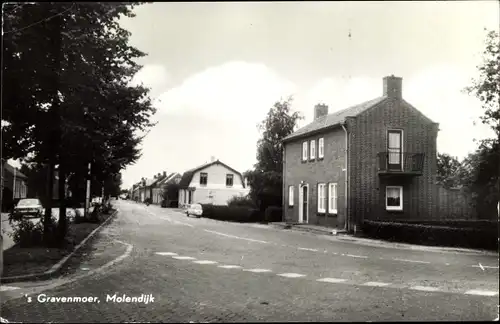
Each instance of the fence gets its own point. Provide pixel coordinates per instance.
(454, 204)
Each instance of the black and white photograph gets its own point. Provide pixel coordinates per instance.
(250, 161)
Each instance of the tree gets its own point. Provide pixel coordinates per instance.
(483, 176)
(448, 170)
(266, 179)
(69, 67)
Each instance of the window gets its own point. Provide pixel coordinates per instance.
(394, 198)
(203, 178)
(332, 196)
(290, 196)
(313, 150)
(321, 148)
(304, 151)
(321, 198)
(229, 180)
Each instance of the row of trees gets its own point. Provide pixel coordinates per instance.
(478, 173)
(67, 95)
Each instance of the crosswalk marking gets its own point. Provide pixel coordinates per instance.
(291, 275)
(183, 258)
(8, 288)
(376, 284)
(481, 292)
(424, 288)
(166, 253)
(258, 270)
(230, 266)
(331, 280)
(205, 262)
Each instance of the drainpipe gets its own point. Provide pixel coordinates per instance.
(346, 224)
(283, 209)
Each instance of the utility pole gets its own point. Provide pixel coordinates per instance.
(87, 194)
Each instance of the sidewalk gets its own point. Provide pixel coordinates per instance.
(342, 236)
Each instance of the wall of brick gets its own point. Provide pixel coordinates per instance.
(368, 138)
(329, 169)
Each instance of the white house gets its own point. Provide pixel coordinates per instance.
(211, 183)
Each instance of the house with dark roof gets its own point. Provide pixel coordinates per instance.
(211, 183)
(373, 161)
(161, 181)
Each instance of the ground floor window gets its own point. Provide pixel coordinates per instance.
(394, 198)
(321, 198)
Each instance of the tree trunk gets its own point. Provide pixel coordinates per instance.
(62, 225)
(54, 142)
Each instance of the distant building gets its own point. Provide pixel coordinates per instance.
(14, 185)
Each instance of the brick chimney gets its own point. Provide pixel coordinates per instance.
(212, 159)
(393, 87)
(320, 110)
(164, 173)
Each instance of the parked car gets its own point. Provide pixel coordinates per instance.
(28, 207)
(195, 210)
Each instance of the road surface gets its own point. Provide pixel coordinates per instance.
(202, 270)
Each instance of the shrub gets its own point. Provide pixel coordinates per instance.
(273, 214)
(27, 234)
(227, 213)
(468, 237)
(239, 201)
(163, 203)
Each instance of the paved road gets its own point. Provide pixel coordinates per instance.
(202, 270)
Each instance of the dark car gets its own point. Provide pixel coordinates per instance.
(28, 207)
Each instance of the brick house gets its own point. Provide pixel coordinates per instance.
(375, 160)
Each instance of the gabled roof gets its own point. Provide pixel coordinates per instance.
(9, 168)
(334, 119)
(167, 179)
(188, 175)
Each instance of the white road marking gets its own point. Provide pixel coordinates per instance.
(186, 224)
(166, 253)
(424, 288)
(481, 292)
(183, 258)
(376, 284)
(257, 270)
(291, 275)
(7, 288)
(332, 280)
(413, 261)
(236, 237)
(485, 267)
(356, 256)
(205, 262)
(481, 266)
(230, 267)
(307, 249)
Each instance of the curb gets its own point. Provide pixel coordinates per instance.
(54, 271)
(385, 244)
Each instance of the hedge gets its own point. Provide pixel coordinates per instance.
(467, 237)
(273, 214)
(460, 223)
(231, 213)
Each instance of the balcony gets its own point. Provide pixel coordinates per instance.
(402, 164)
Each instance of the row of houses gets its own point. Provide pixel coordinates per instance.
(213, 182)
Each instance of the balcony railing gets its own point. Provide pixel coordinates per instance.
(400, 163)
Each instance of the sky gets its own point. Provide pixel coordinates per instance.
(215, 69)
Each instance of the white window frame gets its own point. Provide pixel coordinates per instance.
(290, 195)
(332, 198)
(304, 151)
(321, 148)
(400, 207)
(312, 146)
(321, 198)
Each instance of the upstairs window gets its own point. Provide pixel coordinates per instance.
(313, 150)
(321, 148)
(229, 180)
(203, 179)
(304, 151)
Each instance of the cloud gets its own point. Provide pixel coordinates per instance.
(212, 113)
(154, 76)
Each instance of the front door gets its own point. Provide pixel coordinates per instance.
(395, 150)
(303, 204)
